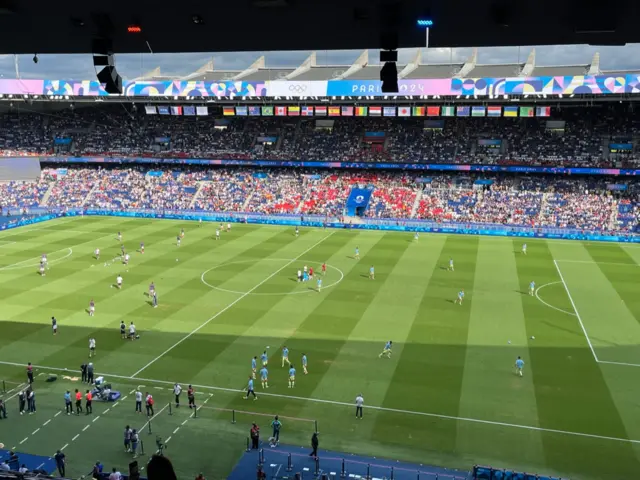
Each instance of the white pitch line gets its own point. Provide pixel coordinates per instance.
(575, 309)
(35, 431)
(167, 440)
(106, 411)
(86, 428)
(185, 421)
(46, 423)
(150, 418)
(24, 440)
(96, 419)
(176, 430)
(620, 363)
(17, 392)
(600, 263)
(548, 304)
(371, 407)
(57, 414)
(65, 446)
(244, 295)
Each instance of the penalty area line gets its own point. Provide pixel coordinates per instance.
(370, 407)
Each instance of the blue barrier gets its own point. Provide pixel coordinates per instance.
(438, 167)
(399, 225)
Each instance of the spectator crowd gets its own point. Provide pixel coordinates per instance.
(578, 137)
(519, 200)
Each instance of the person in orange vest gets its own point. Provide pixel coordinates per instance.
(89, 398)
(78, 402)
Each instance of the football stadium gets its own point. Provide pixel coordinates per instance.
(289, 273)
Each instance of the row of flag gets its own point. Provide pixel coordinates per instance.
(374, 111)
(187, 110)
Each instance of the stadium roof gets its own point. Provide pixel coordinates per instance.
(361, 69)
(277, 25)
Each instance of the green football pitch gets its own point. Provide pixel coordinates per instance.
(449, 395)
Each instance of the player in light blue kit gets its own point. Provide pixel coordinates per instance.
(532, 288)
(460, 297)
(250, 390)
(519, 366)
(372, 273)
(292, 376)
(264, 377)
(304, 363)
(387, 350)
(319, 284)
(254, 366)
(285, 355)
(451, 269)
(357, 254)
(297, 231)
(524, 248)
(264, 358)
(416, 236)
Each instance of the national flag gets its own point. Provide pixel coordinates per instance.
(361, 111)
(254, 111)
(228, 111)
(494, 111)
(347, 111)
(241, 111)
(189, 110)
(404, 111)
(150, 109)
(462, 111)
(526, 111)
(543, 111)
(294, 111)
(281, 111)
(478, 111)
(375, 111)
(389, 111)
(307, 111)
(419, 111)
(202, 111)
(267, 111)
(510, 111)
(334, 111)
(321, 111)
(448, 111)
(176, 110)
(435, 111)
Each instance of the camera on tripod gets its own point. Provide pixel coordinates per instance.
(160, 444)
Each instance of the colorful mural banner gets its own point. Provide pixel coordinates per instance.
(566, 85)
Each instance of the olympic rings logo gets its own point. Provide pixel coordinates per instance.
(297, 88)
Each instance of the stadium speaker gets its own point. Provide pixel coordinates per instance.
(111, 80)
(389, 78)
(103, 57)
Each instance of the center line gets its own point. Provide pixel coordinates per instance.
(247, 293)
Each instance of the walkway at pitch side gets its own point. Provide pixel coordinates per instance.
(276, 461)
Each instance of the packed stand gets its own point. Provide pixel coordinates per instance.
(71, 188)
(534, 201)
(576, 136)
(276, 192)
(23, 194)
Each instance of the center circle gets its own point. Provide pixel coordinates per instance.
(336, 269)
